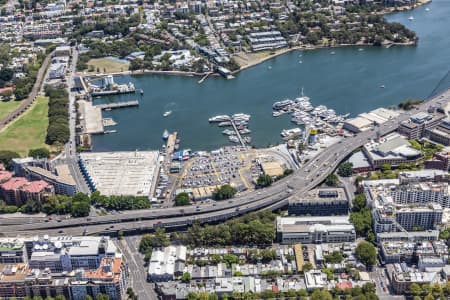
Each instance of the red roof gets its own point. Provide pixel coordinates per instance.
(14, 183)
(6, 89)
(35, 186)
(5, 176)
(344, 285)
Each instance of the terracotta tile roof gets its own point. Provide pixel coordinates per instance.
(14, 183)
(35, 186)
(5, 176)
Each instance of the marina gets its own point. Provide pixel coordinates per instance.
(239, 123)
(328, 80)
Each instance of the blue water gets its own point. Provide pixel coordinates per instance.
(348, 81)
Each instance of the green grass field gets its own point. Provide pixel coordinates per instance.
(107, 65)
(8, 106)
(28, 131)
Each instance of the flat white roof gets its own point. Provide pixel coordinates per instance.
(122, 173)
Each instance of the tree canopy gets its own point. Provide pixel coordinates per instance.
(224, 192)
(366, 253)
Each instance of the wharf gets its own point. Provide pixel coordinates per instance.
(241, 140)
(118, 104)
(170, 146)
(112, 92)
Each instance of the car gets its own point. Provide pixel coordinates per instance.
(60, 231)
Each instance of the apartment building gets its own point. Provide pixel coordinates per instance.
(320, 202)
(71, 266)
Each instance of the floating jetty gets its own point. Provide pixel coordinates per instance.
(118, 104)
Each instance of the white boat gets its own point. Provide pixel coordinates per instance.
(233, 139)
(427, 9)
(333, 53)
(291, 133)
(382, 86)
(229, 132)
(225, 124)
(219, 118)
(360, 49)
(411, 18)
(167, 113)
(282, 104)
(165, 135)
(245, 131)
(269, 67)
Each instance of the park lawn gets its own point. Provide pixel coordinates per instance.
(8, 106)
(107, 65)
(28, 131)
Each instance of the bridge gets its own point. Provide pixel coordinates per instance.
(273, 197)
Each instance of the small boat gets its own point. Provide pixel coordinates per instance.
(165, 135)
(142, 92)
(427, 9)
(411, 18)
(167, 113)
(269, 67)
(360, 49)
(333, 53)
(233, 139)
(382, 86)
(300, 62)
(224, 124)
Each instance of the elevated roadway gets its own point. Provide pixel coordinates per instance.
(276, 196)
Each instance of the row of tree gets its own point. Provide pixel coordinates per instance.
(78, 205)
(256, 228)
(366, 292)
(99, 296)
(58, 116)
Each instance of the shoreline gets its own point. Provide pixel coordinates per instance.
(278, 52)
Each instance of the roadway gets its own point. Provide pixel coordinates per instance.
(304, 179)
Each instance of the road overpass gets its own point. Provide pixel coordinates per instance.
(276, 196)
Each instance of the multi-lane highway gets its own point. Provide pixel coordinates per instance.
(304, 179)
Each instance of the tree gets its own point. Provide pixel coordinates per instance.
(345, 169)
(415, 289)
(182, 199)
(230, 259)
(307, 267)
(80, 209)
(334, 258)
(186, 278)
(224, 192)
(321, 295)
(366, 253)
(6, 158)
(359, 202)
(102, 297)
(39, 153)
(331, 180)
(263, 181)
(88, 297)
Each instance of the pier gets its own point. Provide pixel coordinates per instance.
(170, 146)
(238, 133)
(118, 104)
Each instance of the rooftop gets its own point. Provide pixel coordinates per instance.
(121, 173)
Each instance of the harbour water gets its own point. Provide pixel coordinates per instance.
(349, 81)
